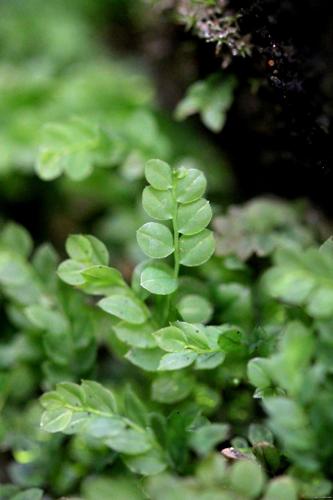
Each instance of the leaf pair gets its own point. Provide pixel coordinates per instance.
(187, 343)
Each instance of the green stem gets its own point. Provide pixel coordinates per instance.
(176, 253)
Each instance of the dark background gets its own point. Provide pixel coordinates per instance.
(278, 133)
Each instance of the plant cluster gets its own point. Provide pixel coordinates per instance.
(161, 359)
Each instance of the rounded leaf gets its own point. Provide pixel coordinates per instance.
(190, 186)
(124, 307)
(171, 339)
(258, 373)
(281, 487)
(195, 309)
(247, 477)
(130, 441)
(158, 279)
(197, 249)
(158, 173)
(135, 335)
(155, 240)
(176, 360)
(69, 271)
(194, 217)
(157, 204)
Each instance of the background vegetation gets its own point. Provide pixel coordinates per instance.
(205, 371)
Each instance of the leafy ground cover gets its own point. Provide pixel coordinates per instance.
(163, 344)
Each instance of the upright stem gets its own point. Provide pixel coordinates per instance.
(176, 252)
(175, 232)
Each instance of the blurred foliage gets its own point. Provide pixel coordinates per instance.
(263, 224)
(221, 389)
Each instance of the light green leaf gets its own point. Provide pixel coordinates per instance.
(147, 359)
(98, 397)
(172, 388)
(99, 279)
(159, 279)
(176, 360)
(135, 335)
(171, 339)
(103, 427)
(16, 238)
(149, 464)
(56, 420)
(69, 271)
(204, 439)
(158, 173)
(157, 204)
(130, 441)
(47, 319)
(247, 478)
(71, 394)
(87, 249)
(196, 337)
(125, 307)
(155, 240)
(30, 494)
(281, 487)
(320, 303)
(195, 309)
(194, 217)
(257, 371)
(196, 250)
(191, 185)
(209, 361)
(135, 410)
(259, 433)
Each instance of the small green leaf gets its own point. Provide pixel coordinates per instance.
(130, 441)
(135, 335)
(155, 240)
(159, 279)
(196, 338)
(47, 319)
(103, 427)
(194, 217)
(135, 410)
(258, 374)
(247, 478)
(191, 185)
(176, 361)
(158, 173)
(149, 464)
(87, 249)
(171, 339)
(172, 388)
(147, 359)
(204, 439)
(209, 361)
(157, 204)
(195, 309)
(56, 420)
(69, 271)
(30, 494)
(16, 238)
(100, 278)
(125, 307)
(259, 433)
(196, 250)
(281, 488)
(98, 397)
